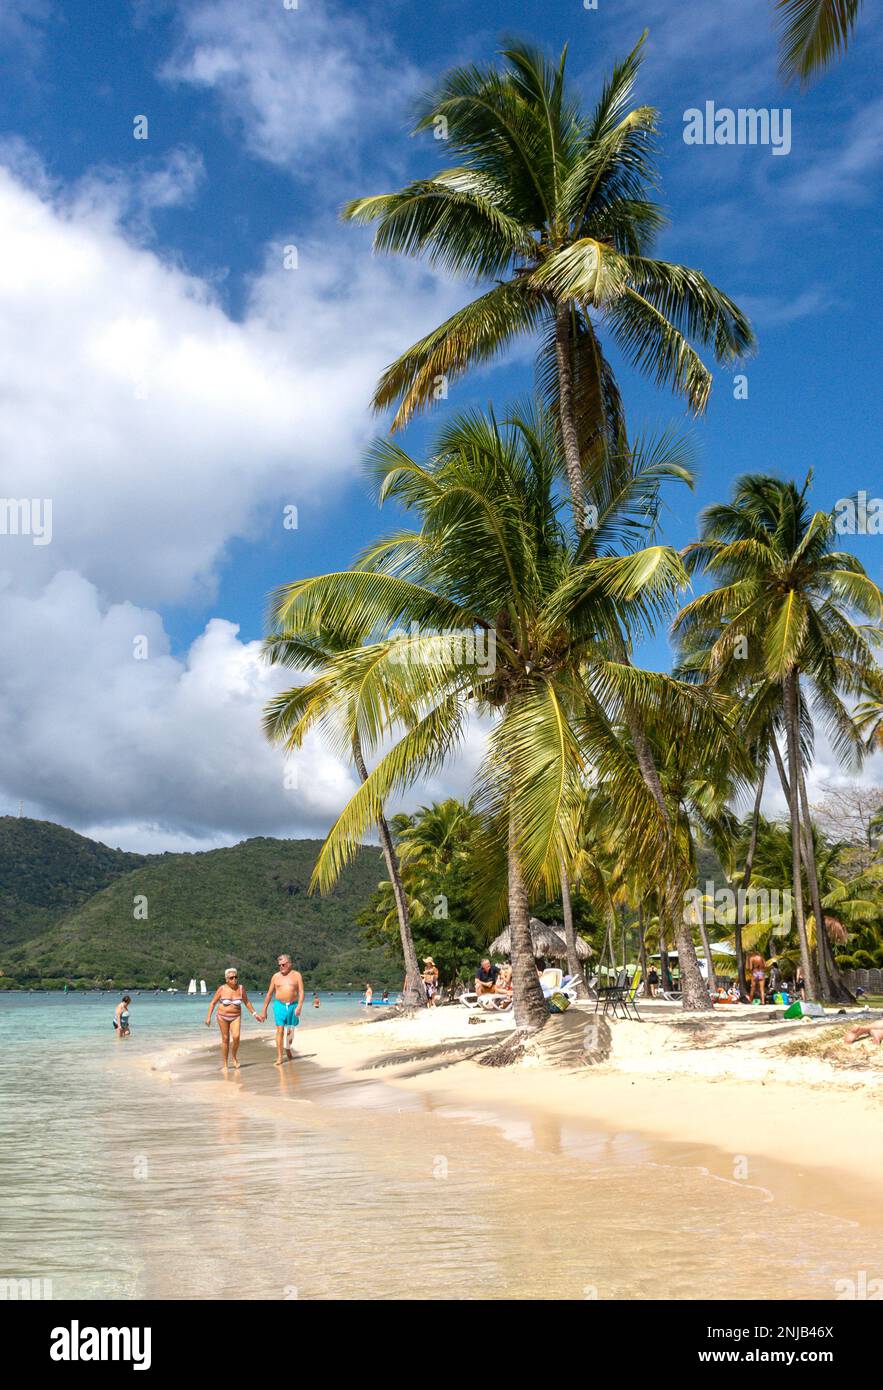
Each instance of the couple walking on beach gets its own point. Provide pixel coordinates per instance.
(286, 990)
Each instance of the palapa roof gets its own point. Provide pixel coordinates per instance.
(548, 942)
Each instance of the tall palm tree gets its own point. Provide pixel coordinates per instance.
(553, 205)
(783, 609)
(813, 34)
(494, 555)
(286, 719)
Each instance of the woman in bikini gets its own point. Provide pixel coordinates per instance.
(229, 998)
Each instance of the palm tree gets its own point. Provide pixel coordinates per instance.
(814, 33)
(286, 720)
(553, 205)
(869, 711)
(782, 610)
(493, 556)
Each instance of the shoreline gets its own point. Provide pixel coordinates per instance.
(814, 1124)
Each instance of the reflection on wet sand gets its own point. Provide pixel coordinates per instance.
(276, 1183)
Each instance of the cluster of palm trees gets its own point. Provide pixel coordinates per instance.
(537, 528)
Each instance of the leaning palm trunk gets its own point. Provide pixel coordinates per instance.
(567, 412)
(414, 991)
(694, 990)
(793, 741)
(809, 857)
(746, 881)
(529, 1006)
(694, 994)
(573, 965)
(642, 947)
(831, 985)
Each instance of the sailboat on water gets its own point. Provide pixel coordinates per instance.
(191, 988)
(202, 988)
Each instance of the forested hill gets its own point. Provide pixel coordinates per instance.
(241, 905)
(47, 871)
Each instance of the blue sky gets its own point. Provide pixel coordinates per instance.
(173, 387)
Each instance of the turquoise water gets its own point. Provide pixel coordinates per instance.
(53, 1019)
(123, 1179)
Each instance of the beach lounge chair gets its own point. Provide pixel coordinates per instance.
(618, 997)
(491, 1003)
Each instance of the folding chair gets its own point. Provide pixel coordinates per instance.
(619, 997)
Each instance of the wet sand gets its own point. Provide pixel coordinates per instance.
(349, 1175)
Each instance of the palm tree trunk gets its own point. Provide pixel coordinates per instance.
(694, 994)
(414, 991)
(809, 859)
(792, 732)
(746, 880)
(567, 413)
(573, 965)
(694, 991)
(831, 985)
(529, 1006)
(642, 947)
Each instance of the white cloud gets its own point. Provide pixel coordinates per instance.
(292, 79)
(157, 752)
(160, 426)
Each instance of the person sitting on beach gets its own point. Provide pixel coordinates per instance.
(229, 999)
(504, 980)
(286, 989)
(121, 1017)
(486, 978)
(430, 980)
(874, 1031)
(756, 967)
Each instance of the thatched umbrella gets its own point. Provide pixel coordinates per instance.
(548, 944)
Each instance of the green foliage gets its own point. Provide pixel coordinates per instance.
(240, 905)
(46, 872)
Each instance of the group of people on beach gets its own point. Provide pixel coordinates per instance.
(285, 991)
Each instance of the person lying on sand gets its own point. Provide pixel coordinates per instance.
(229, 998)
(874, 1031)
(287, 992)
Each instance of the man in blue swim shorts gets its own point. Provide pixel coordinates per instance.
(287, 993)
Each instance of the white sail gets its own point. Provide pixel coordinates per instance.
(191, 988)
(202, 988)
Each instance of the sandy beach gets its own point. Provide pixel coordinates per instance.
(731, 1084)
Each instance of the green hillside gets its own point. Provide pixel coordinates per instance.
(240, 906)
(47, 871)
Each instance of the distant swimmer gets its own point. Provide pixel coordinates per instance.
(369, 995)
(121, 1017)
(315, 1001)
(287, 992)
(229, 999)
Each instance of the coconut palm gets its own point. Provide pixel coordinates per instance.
(293, 710)
(553, 205)
(869, 711)
(495, 557)
(784, 609)
(813, 34)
